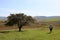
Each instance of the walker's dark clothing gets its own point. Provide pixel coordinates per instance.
(51, 28)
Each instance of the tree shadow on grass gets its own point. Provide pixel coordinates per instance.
(12, 31)
(4, 31)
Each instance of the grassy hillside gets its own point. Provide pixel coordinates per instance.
(34, 34)
(37, 31)
(52, 19)
(47, 19)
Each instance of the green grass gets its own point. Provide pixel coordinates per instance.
(51, 19)
(35, 34)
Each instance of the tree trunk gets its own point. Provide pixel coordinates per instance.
(20, 28)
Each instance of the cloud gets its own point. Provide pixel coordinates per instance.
(31, 12)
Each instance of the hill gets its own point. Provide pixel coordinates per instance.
(3, 18)
(44, 18)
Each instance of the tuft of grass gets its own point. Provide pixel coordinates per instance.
(34, 34)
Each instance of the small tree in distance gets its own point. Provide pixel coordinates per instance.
(19, 19)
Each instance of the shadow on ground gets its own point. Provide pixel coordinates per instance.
(12, 31)
(49, 33)
(4, 31)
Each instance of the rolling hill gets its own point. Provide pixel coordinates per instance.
(3, 18)
(44, 18)
(40, 18)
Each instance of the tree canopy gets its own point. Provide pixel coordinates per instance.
(19, 19)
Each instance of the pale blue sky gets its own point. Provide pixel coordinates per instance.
(30, 7)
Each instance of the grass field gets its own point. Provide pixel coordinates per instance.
(30, 34)
(34, 32)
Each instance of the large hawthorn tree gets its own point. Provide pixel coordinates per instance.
(19, 19)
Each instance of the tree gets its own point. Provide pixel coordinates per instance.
(19, 19)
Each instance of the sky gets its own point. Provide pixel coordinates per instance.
(30, 7)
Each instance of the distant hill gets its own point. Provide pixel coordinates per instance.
(44, 18)
(3, 18)
(40, 18)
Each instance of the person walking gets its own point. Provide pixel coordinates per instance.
(50, 28)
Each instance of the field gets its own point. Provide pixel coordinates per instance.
(37, 31)
(30, 34)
